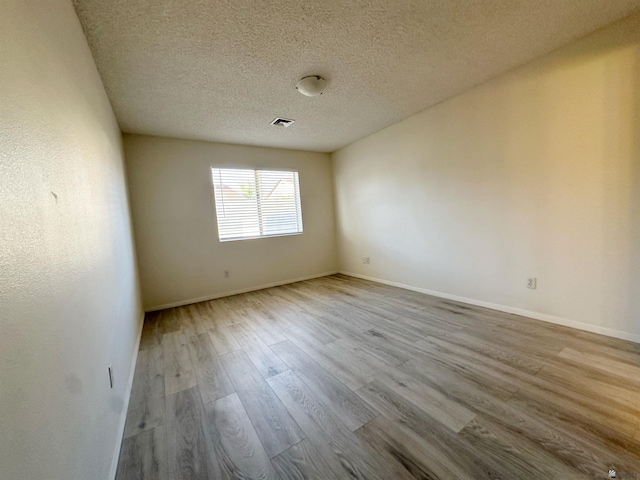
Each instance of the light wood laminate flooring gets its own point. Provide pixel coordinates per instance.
(341, 378)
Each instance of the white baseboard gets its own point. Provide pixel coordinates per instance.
(180, 303)
(127, 396)
(610, 332)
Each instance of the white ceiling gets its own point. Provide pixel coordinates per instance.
(221, 70)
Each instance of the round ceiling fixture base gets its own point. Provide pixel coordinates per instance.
(311, 86)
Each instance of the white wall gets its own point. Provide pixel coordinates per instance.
(180, 257)
(69, 303)
(533, 174)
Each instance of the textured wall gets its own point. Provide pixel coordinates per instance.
(69, 303)
(173, 212)
(533, 174)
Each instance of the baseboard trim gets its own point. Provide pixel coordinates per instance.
(587, 327)
(127, 395)
(180, 303)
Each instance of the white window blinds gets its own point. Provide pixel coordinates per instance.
(256, 203)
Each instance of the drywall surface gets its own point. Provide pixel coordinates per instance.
(180, 256)
(533, 174)
(69, 303)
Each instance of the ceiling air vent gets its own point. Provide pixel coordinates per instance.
(282, 122)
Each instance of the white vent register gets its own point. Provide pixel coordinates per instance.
(282, 122)
(256, 203)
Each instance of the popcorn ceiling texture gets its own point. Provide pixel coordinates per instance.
(222, 70)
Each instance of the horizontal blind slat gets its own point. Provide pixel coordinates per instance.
(247, 208)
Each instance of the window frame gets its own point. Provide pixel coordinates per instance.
(298, 201)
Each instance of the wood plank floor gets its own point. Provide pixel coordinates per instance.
(340, 378)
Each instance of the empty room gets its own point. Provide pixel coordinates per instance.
(370, 240)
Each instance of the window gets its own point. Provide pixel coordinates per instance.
(256, 203)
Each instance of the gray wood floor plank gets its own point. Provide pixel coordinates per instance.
(170, 321)
(336, 319)
(144, 456)
(491, 377)
(387, 354)
(265, 330)
(578, 453)
(615, 393)
(543, 423)
(619, 368)
(445, 367)
(622, 450)
(446, 450)
(303, 461)
(430, 400)
(145, 417)
(187, 450)
(148, 380)
(179, 373)
(151, 330)
(357, 357)
(600, 340)
(235, 449)
(339, 365)
(344, 403)
(405, 456)
(212, 378)
(294, 322)
(520, 456)
(267, 362)
(223, 340)
(326, 431)
(273, 423)
(194, 319)
(221, 313)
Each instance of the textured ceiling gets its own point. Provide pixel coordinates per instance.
(221, 70)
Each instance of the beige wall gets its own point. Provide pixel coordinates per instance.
(533, 174)
(180, 257)
(69, 303)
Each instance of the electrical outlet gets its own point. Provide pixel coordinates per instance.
(110, 376)
(226, 274)
(532, 283)
(365, 260)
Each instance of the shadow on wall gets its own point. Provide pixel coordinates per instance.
(602, 178)
(634, 210)
(620, 180)
(618, 170)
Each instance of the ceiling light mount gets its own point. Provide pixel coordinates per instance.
(311, 86)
